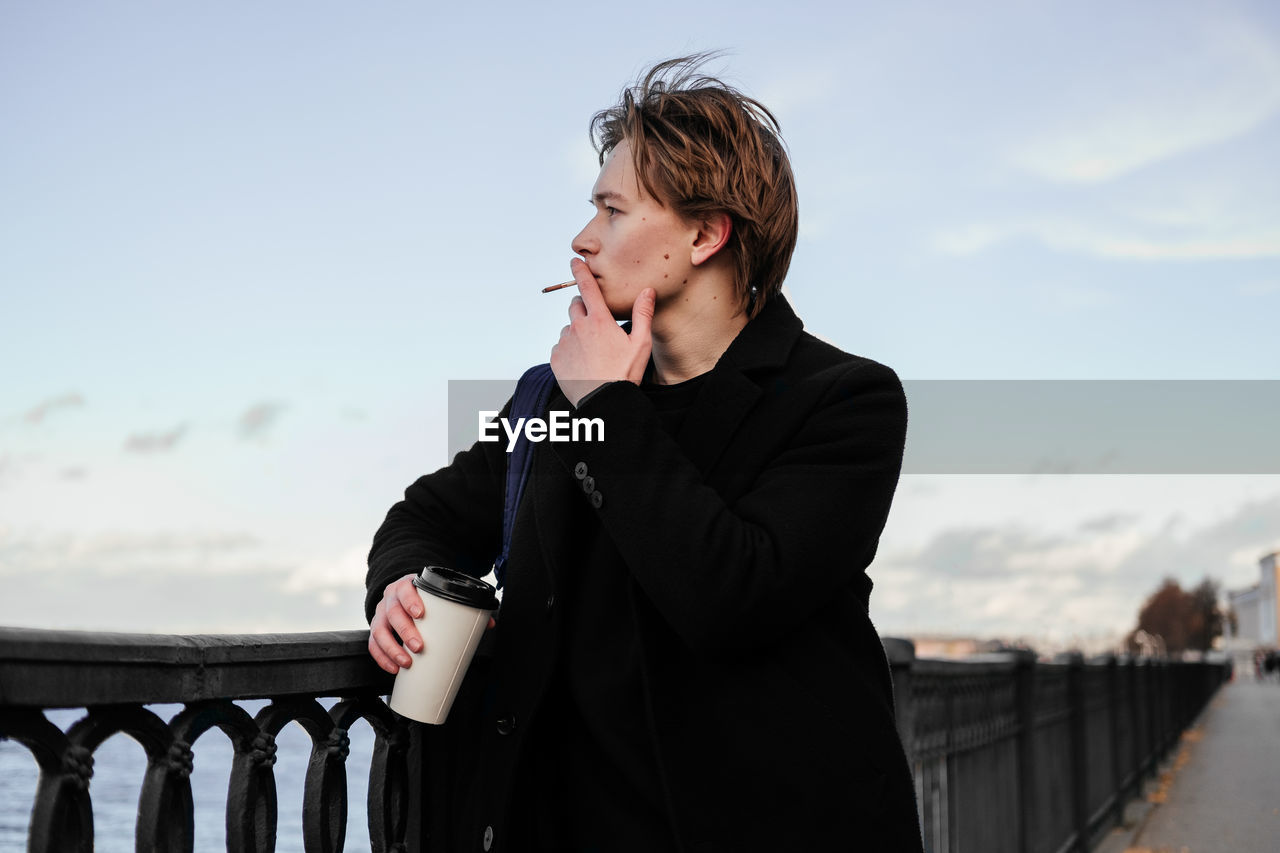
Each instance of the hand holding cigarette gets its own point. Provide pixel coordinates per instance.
(593, 348)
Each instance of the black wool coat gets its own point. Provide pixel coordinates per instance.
(746, 537)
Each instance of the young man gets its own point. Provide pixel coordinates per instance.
(683, 659)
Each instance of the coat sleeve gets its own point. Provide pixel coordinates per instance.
(451, 518)
(746, 572)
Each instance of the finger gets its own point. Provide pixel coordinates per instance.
(387, 642)
(402, 624)
(380, 658)
(588, 287)
(577, 309)
(406, 595)
(493, 623)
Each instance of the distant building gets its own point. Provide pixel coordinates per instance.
(1268, 606)
(945, 645)
(963, 646)
(1256, 607)
(1244, 603)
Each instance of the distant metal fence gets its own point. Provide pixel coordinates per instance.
(1008, 754)
(1014, 756)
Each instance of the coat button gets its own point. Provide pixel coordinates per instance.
(507, 724)
(589, 484)
(596, 499)
(580, 470)
(488, 837)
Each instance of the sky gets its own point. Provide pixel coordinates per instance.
(245, 247)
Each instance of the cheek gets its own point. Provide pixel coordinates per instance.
(652, 253)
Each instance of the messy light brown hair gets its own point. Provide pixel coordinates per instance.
(702, 148)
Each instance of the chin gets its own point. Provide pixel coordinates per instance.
(620, 311)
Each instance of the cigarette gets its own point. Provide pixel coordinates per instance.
(559, 286)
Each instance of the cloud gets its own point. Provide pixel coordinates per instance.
(154, 442)
(1162, 161)
(119, 553)
(15, 468)
(1118, 237)
(1016, 581)
(172, 581)
(333, 578)
(1228, 549)
(1191, 92)
(1108, 523)
(970, 553)
(258, 418)
(251, 602)
(47, 407)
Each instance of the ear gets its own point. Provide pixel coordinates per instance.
(713, 233)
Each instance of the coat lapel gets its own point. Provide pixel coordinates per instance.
(731, 391)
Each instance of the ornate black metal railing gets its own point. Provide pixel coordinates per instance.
(115, 675)
(1009, 754)
(1015, 756)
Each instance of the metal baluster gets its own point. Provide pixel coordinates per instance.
(62, 814)
(388, 771)
(166, 819)
(244, 800)
(324, 798)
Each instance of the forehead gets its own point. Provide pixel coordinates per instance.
(618, 175)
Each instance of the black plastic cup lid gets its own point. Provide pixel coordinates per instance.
(453, 585)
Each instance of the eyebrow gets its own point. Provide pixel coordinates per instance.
(607, 196)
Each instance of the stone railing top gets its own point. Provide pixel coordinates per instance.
(50, 669)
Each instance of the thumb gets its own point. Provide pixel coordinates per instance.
(641, 333)
(642, 315)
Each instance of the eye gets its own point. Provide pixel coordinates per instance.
(610, 209)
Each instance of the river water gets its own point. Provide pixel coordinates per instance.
(118, 769)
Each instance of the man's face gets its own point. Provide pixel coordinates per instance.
(632, 242)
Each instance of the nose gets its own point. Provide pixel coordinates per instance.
(584, 244)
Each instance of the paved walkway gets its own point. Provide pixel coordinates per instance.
(1221, 792)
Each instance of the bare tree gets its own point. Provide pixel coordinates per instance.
(1184, 620)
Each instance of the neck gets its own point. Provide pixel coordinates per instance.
(693, 328)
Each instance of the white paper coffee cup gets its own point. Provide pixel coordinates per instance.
(456, 611)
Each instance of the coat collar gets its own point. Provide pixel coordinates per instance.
(766, 340)
(729, 393)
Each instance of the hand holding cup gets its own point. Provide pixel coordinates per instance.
(393, 623)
